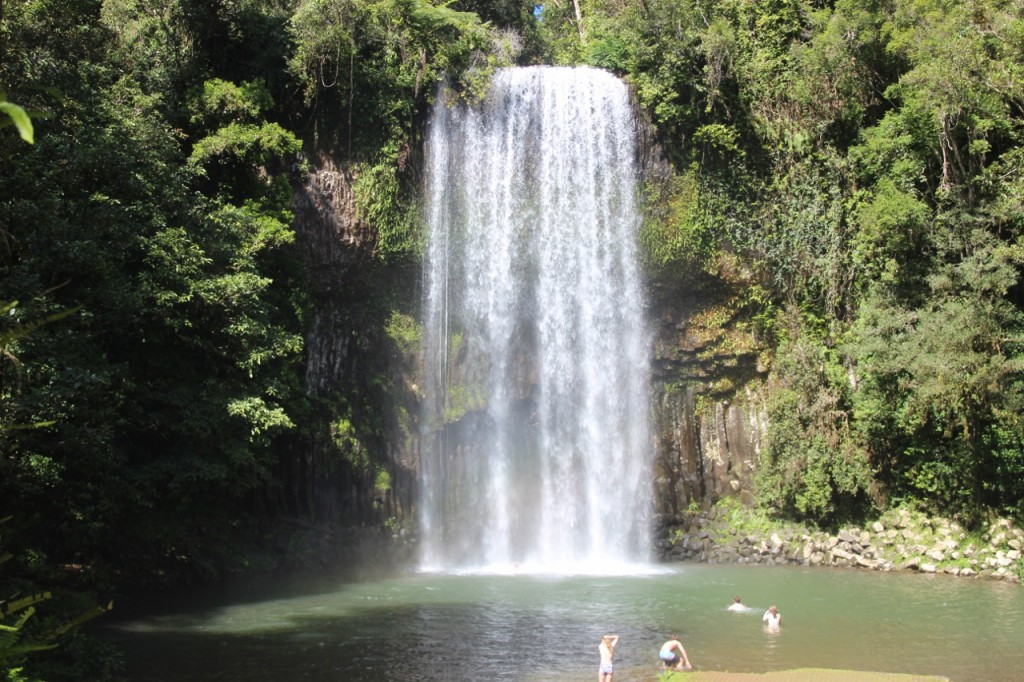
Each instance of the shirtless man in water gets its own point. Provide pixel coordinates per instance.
(607, 650)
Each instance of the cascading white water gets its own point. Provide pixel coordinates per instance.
(536, 446)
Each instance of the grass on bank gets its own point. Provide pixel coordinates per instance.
(799, 675)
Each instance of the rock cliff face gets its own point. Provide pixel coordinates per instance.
(704, 457)
(332, 243)
(359, 380)
(709, 389)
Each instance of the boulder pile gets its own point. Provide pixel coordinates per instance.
(899, 540)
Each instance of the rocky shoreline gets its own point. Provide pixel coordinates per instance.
(900, 540)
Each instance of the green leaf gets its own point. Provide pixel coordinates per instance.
(20, 119)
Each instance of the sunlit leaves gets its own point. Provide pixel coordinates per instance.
(253, 145)
(941, 373)
(964, 72)
(679, 233)
(379, 202)
(253, 228)
(391, 50)
(891, 234)
(259, 416)
(239, 145)
(221, 100)
(18, 117)
(812, 466)
(871, 152)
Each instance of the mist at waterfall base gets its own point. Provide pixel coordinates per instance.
(536, 447)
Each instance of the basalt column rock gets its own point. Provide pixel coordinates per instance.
(345, 349)
(707, 456)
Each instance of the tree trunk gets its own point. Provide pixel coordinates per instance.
(579, 20)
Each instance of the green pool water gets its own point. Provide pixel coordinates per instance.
(422, 626)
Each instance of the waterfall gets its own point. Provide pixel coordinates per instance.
(536, 450)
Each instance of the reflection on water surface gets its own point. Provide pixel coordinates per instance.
(529, 627)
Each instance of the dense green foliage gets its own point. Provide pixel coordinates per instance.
(854, 169)
(146, 239)
(863, 160)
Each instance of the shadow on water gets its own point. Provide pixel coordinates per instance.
(418, 626)
(435, 642)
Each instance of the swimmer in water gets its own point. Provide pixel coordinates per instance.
(737, 605)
